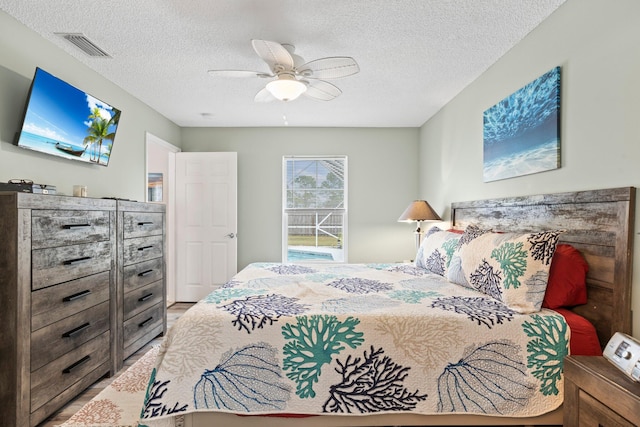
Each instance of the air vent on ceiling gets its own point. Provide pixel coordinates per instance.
(84, 44)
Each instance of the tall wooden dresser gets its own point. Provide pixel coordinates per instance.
(141, 287)
(57, 301)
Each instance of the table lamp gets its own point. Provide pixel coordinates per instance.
(418, 211)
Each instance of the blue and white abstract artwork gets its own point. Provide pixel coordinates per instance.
(522, 132)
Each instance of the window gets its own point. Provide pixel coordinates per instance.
(314, 209)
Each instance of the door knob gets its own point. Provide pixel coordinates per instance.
(232, 235)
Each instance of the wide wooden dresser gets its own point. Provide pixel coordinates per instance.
(57, 296)
(82, 287)
(141, 284)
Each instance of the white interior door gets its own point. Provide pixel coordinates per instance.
(206, 223)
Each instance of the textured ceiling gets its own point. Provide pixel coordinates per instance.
(414, 55)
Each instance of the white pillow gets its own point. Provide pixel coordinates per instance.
(510, 267)
(436, 250)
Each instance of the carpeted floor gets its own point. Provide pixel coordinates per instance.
(119, 404)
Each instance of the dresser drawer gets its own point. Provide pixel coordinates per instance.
(57, 265)
(57, 302)
(143, 273)
(142, 249)
(55, 377)
(142, 224)
(54, 340)
(141, 324)
(595, 413)
(51, 228)
(143, 298)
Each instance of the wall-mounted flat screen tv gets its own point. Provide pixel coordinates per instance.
(65, 121)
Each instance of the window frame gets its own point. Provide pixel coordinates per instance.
(285, 210)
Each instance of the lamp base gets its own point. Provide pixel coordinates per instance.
(419, 234)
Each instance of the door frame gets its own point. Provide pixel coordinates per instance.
(153, 142)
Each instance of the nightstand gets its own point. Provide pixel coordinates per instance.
(596, 393)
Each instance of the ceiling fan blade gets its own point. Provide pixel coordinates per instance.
(264, 96)
(238, 73)
(297, 59)
(324, 91)
(273, 54)
(330, 68)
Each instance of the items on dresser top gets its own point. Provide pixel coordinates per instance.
(27, 186)
(624, 352)
(80, 191)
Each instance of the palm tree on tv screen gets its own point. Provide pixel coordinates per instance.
(98, 132)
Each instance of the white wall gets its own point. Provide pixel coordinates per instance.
(21, 51)
(597, 44)
(382, 168)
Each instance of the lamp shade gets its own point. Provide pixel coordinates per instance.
(286, 88)
(419, 210)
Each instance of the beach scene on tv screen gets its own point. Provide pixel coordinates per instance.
(65, 121)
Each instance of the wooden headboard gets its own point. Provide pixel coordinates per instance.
(599, 223)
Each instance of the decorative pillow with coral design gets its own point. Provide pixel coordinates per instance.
(512, 268)
(436, 250)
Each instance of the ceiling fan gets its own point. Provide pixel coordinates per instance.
(292, 76)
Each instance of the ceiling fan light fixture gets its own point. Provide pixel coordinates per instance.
(293, 76)
(286, 88)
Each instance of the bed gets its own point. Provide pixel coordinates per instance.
(400, 344)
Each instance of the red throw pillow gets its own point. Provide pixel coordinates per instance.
(567, 285)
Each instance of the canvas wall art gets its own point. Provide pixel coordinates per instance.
(522, 132)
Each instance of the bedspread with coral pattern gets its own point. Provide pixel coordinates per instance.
(355, 339)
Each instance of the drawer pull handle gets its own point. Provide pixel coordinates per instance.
(76, 331)
(76, 296)
(145, 273)
(145, 323)
(70, 368)
(144, 248)
(77, 260)
(143, 223)
(146, 297)
(72, 226)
